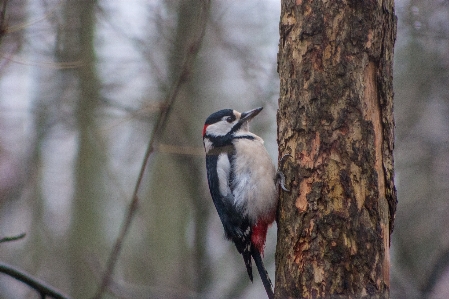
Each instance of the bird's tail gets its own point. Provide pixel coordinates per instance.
(248, 264)
(263, 273)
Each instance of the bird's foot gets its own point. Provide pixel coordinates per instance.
(280, 180)
(280, 177)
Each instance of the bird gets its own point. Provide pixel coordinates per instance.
(243, 184)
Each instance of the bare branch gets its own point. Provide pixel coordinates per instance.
(13, 238)
(191, 53)
(41, 287)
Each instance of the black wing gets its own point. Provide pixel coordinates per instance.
(236, 226)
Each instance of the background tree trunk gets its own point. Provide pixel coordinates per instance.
(180, 265)
(77, 44)
(336, 119)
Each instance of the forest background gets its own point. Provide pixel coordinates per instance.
(84, 86)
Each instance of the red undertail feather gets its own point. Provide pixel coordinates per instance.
(259, 235)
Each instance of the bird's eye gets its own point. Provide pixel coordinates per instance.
(229, 119)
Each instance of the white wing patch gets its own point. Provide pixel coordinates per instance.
(223, 171)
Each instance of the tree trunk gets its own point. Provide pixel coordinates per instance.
(76, 44)
(336, 120)
(176, 264)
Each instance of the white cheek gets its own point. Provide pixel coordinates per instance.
(219, 129)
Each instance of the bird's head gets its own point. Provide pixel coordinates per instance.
(222, 126)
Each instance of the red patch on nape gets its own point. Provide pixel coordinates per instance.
(259, 235)
(204, 129)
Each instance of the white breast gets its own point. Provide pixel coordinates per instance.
(253, 185)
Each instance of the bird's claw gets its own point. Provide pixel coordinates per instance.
(280, 177)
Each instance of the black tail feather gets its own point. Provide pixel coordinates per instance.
(263, 273)
(248, 264)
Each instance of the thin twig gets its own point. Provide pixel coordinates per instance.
(13, 238)
(192, 51)
(41, 287)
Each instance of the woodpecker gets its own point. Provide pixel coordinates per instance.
(243, 184)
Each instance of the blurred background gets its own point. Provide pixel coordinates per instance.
(84, 83)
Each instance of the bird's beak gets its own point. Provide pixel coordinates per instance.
(248, 115)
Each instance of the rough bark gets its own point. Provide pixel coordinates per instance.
(335, 117)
